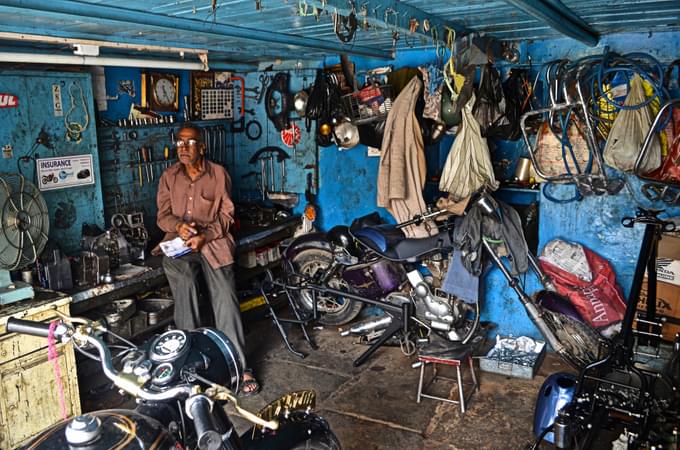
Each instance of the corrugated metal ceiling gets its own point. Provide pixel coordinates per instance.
(287, 17)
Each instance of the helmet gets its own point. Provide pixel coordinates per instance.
(340, 237)
(346, 135)
(450, 113)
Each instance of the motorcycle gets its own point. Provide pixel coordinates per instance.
(334, 274)
(182, 380)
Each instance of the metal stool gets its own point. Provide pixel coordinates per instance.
(455, 359)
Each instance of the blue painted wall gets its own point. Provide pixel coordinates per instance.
(20, 127)
(348, 179)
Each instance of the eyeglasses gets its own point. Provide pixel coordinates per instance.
(191, 143)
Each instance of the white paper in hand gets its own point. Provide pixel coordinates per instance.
(174, 248)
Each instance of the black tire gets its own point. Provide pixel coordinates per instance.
(333, 310)
(319, 440)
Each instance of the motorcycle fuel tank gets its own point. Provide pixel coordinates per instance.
(376, 278)
(557, 390)
(106, 429)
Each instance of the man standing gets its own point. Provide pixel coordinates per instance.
(194, 203)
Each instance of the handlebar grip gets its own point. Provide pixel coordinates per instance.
(200, 412)
(31, 327)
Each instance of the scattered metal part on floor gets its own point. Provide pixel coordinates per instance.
(374, 406)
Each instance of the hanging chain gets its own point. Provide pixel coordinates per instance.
(74, 130)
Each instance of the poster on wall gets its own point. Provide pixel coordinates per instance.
(64, 172)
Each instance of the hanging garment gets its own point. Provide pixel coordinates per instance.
(401, 173)
(432, 94)
(468, 166)
(506, 238)
(489, 109)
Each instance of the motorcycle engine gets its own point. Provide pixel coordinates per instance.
(443, 313)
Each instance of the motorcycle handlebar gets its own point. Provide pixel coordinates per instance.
(33, 328)
(128, 383)
(199, 409)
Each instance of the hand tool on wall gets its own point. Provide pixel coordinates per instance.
(152, 165)
(266, 157)
(139, 167)
(242, 91)
(166, 156)
(255, 90)
(221, 147)
(264, 82)
(147, 166)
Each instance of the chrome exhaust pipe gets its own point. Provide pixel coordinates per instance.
(366, 326)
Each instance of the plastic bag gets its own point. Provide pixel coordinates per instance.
(489, 110)
(588, 281)
(468, 165)
(628, 132)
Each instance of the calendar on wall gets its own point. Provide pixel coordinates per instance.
(217, 104)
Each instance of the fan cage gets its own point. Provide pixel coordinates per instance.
(25, 222)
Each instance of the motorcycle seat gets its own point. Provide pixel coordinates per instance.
(389, 242)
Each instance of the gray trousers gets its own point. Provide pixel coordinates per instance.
(182, 274)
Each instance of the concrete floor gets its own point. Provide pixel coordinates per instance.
(374, 406)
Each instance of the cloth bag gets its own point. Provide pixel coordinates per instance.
(628, 132)
(553, 160)
(468, 165)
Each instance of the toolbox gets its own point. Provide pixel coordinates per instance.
(514, 363)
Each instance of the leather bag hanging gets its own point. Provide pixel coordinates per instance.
(489, 109)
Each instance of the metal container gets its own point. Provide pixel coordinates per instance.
(119, 311)
(518, 365)
(523, 170)
(156, 309)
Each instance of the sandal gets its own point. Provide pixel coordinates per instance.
(250, 386)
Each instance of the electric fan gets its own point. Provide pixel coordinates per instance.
(25, 224)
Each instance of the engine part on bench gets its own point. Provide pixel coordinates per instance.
(92, 268)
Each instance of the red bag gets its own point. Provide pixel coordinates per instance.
(599, 300)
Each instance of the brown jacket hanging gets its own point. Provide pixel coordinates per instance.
(402, 170)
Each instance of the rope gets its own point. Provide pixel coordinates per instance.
(53, 357)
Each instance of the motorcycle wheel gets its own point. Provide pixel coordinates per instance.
(334, 310)
(319, 440)
(580, 342)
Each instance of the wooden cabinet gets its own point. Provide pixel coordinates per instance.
(29, 393)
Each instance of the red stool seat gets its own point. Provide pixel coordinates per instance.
(455, 359)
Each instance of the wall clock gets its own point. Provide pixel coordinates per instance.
(160, 91)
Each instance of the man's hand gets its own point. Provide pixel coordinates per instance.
(187, 230)
(196, 243)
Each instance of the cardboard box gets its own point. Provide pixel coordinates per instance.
(667, 299)
(668, 260)
(667, 305)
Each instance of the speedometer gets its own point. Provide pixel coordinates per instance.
(169, 345)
